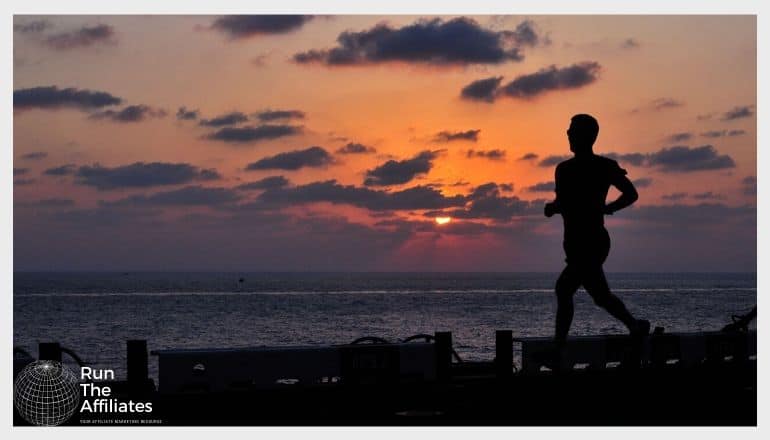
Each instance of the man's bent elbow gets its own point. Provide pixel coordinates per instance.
(633, 196)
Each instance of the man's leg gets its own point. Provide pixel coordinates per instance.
(596, 285)
(566, 286)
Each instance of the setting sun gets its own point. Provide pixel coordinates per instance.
(443, 220)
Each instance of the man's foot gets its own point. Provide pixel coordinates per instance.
(641, 328)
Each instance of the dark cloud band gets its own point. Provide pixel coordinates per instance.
(495, 154)
(35, 155)
(552, 78)
(32, 27)
(534, 84)
(53, 98)
(482, 90)
(270, 182)
(184, 114)
(195, 195)
(313, 157)
(86, 36)
(131, 113)
(141, 175)
(451, 136)
(273, 115)
(486, 202)
(232, 118)
(62, 170)
(245, 135)
(418, 197)
(459, 41)
(356, 148)
(245, 26)
(397, 172)
(739, 112)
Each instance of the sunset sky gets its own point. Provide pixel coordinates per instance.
(336, 142)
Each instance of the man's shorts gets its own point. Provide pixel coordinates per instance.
(587, 249)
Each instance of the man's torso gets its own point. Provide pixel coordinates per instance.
(582, 184)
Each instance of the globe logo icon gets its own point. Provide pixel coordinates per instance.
(46, 393)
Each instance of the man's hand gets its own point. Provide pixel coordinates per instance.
(551, 208)
(608, 210)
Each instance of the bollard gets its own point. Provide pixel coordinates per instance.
(136, 361)
(443, 355)
(503, 353)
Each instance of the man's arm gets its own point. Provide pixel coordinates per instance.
(628, 196)
(552, 208)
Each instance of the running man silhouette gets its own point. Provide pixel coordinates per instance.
(582, 183)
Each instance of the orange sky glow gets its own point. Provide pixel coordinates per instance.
(675, 97)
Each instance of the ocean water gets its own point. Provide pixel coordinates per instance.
(95, 313)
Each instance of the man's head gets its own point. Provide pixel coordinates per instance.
(582, 133)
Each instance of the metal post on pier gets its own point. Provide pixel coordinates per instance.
(49, 351)
(443, 355)
(503, 353)
(136, 361)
